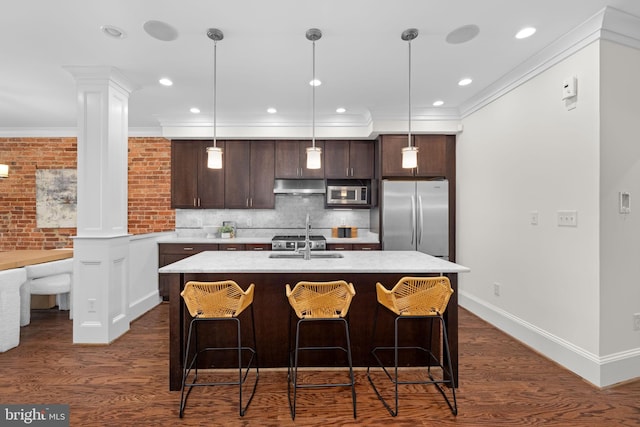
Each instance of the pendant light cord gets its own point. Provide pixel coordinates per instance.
(313, 99)
(215, 91)
(409, 142)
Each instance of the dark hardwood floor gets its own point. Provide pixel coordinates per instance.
(502, 383)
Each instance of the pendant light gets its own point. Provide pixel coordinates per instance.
(410, 152)
(214, 154)
(4, 171)
(314, 154)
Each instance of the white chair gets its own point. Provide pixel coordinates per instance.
(10, 282)
(49, 278)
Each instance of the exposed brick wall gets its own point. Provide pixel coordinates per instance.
(149, 189)
(150, 186)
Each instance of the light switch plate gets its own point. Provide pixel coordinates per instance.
(567, 218)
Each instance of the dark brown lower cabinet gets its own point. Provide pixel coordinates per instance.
(353, 246)
(169, 253)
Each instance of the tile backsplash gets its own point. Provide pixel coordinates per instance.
(289, 214)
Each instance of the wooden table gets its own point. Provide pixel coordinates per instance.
(21, 258)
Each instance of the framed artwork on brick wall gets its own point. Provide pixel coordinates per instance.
(56, 198)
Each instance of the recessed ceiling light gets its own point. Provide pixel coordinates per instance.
(525, 32)
(463, 34)
(160, 30)
(464, 82)
(271, 110)
(195, 110)
(340, 110)
(165, 82)
(315, 82)
(113, 32)
(438, 103)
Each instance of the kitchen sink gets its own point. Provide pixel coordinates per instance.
(314, 255)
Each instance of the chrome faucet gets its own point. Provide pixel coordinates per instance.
(306, 250)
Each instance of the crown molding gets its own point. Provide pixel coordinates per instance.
(608, 24)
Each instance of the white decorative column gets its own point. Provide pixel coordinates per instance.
(101, 247)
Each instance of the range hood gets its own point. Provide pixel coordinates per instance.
(299, 186)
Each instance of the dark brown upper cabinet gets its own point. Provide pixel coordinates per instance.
(433, 155)
(193, 184)
(348, 159)
(291, 160)
(249, 174)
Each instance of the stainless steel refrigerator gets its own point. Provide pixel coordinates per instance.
(415, 216)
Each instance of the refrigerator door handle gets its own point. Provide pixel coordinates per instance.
(420, 220)
(413, 219)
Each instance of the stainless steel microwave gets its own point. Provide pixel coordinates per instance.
(346, 195)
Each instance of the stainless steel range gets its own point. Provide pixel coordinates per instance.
(291, 243)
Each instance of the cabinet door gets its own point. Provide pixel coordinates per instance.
(432, 155)
(262, 175)
(210, 181)
(231, 247)
(336, 158)
(193, 184)
(169, 253)
(291, 160)
(366, 246)
(391, 157)
(339, 246)
(184, 174)
(287, 164)
(361, 159)
(258, 246)
(237, 174)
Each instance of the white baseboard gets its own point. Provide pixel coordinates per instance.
(144, 304)
(600, 371)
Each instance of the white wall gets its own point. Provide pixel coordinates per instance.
(526, 152)
(143, 273)
(620, 171)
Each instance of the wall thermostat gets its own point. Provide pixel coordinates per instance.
(569, 88)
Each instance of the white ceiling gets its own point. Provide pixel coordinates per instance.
(265, 59)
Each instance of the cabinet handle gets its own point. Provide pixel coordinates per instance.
(347, 171)
(351, 171)
(199, 202)
(339, 249)
(187, 249)
(258, 249)
(251, 202)
(365, 249)
(231, 249)
(195, 202)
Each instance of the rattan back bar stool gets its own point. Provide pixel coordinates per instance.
(318, 302)
(210, 302)
(415, 298)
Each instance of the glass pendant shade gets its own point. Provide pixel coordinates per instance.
(314, 155)
(410, 157)
(214, 157)
(4, 171)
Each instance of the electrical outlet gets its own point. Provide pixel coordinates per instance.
(92, 305)
(636, 322)
(496, 289)
(567, 218)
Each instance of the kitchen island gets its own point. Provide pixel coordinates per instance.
(270, 275)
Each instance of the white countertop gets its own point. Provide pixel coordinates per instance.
(364, 238)
(353, 262)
